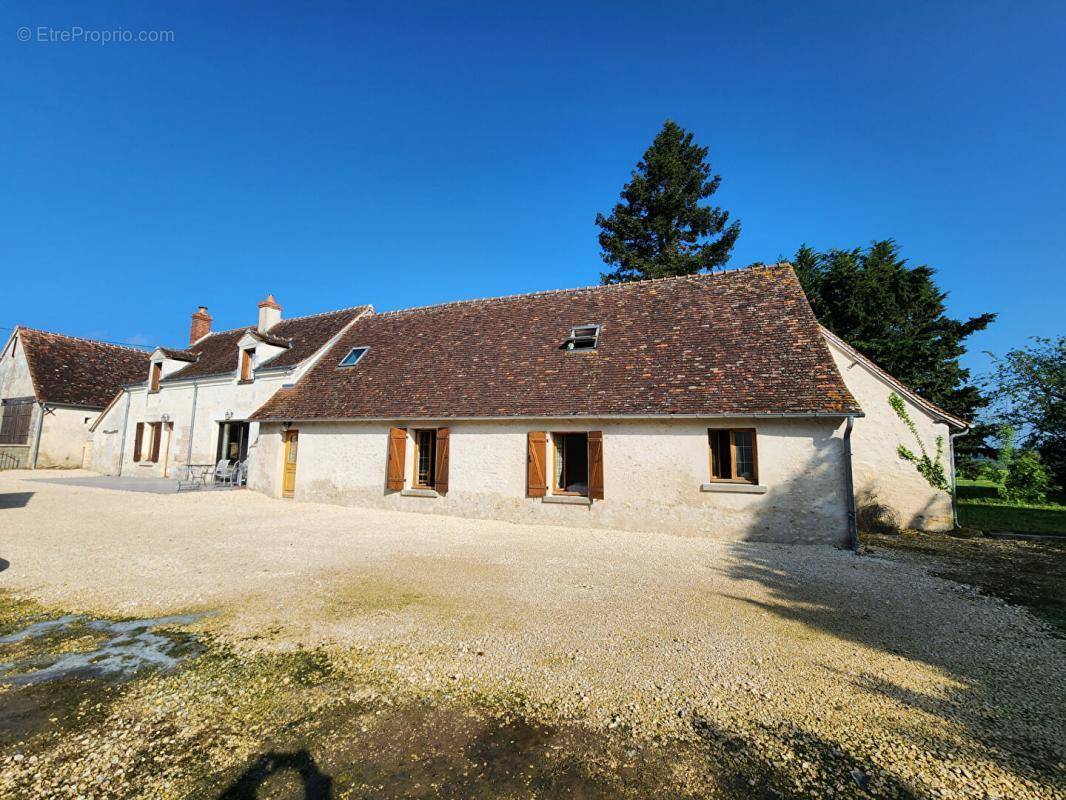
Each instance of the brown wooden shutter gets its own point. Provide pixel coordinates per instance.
(536, 456)
(157, 435)
(596, 465)
(22, 424)
(137, 441)
(397, 450)
(440, 474)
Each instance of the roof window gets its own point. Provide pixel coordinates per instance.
(583, 337)
(353, 356)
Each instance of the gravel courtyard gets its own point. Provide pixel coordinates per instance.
(739, 669)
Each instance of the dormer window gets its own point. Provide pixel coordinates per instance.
(247, 360)
(157, 373)
(583, 337)
(353, 356)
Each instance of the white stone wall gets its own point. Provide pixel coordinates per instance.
(64, 437)
(881, 476)
(15, 382)
(653, 471)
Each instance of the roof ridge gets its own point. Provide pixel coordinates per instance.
(597, 287)
(286, 319)
(141, 349)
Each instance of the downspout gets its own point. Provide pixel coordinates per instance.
(122, 441)
(849, 487)
(37, 435)
(192, 423)
(954, 478)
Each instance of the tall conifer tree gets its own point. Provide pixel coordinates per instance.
(659, 228)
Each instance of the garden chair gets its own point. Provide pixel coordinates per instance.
(224, 472)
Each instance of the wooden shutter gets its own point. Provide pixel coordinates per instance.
(137, 441)
(596, 465)
(157, 435)
(397, 449)
(440, 482)
(22, 423)
(536, 456)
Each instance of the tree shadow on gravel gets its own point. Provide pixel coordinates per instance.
(1010, 695)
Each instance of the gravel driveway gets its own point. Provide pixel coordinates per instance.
(823, 663)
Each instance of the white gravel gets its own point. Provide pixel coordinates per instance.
(923, 682)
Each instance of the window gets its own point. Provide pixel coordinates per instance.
(15, 421)
(157, 373)
(571, 467)
(733, 455)
(583, 337)
(247, 358)
(353, 356)
(425, 459)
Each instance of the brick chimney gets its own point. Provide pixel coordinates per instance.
(201, 325)
(269, 313)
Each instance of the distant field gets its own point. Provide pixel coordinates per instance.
(980, 507)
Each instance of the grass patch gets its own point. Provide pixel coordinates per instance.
(982, 506)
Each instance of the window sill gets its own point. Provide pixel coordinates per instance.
(419, 493)
(567, 499)
(733, 488)
(245, 382)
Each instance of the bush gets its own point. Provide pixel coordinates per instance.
(1027, 479)
(990, 471)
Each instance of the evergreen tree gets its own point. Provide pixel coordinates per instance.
(895, 314)
(659, 228)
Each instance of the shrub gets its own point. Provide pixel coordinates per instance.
(1027, 479)
(874, 517)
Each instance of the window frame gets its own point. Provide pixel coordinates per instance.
(553, 479)
(416, 435)
(754, 480)
(571, 342)
(13, 422)
(342, 365)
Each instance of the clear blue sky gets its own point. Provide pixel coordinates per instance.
(404, 154)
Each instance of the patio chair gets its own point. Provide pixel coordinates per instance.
(224, 472)
(242, 473)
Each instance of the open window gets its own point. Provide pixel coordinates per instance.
(157, 374)
(583, 337)
(734, 456)
(573, 467)
(247, 361)
(570, 474)
(425, 459)
(431, 455)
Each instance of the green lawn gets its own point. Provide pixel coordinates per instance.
(981, 508)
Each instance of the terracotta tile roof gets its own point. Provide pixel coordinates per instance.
(742, 342)
(70, 371)
(179, 355)
(216, 353)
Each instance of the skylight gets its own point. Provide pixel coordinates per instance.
(353, 356)
(583, 337)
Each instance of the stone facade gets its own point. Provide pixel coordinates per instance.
(655, 472)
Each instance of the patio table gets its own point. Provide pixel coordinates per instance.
(195, 476)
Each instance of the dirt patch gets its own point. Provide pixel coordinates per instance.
(1028, 573)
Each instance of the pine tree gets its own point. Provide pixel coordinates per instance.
(659, 229)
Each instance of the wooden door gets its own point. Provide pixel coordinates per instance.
(288, 483)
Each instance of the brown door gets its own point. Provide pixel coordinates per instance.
(288, 482)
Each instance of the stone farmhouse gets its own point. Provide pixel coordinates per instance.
(193, 405)
(52, 387)
(709, 405)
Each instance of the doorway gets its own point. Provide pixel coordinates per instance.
(288, 480)
(232, 441)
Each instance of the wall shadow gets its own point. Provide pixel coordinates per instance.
(991, 663)
(316, 784)
(14, 499)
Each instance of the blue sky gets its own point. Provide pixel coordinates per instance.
(405, 154)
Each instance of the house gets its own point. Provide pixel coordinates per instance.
(192, 405)
(713, 405)
(51, 389)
